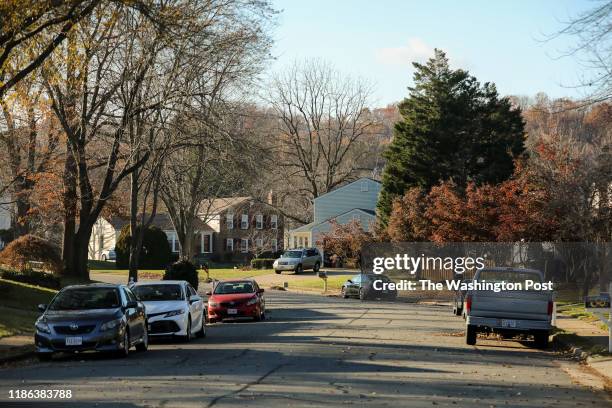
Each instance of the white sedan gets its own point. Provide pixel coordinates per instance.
(173, 308)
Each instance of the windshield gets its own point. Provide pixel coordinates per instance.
(154, 293)
(226, 288)
(292, 254)
(86, 298)
(508, 276)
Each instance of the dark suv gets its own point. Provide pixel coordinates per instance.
(97, 317)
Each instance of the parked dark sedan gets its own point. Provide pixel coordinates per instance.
(97, 317)
(368, 286)
(460, 299)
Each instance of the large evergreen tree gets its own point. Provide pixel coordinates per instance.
(452, 128)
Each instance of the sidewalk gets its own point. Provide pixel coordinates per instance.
(16, 347)
(584, 339)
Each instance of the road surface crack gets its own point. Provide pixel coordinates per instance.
(247, 385)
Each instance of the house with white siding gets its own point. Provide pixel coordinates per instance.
(353, 201)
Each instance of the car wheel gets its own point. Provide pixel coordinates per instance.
(202, 331)
(187, 337)
(144, 344)
(44, 356)
(125, 350)
(316, 267)
(541, 339)
(362, 294)
(277, 272)
(470, 335)
(299, 269)
(344, 294)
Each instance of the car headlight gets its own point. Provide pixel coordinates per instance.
(213, 304)
(110, 325)
(42, 327)
(175, 313)
(252, 302)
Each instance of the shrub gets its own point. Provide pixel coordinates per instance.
(29, 248)
(262, 263)
(155, 252)
(182, 270)
(43, 279)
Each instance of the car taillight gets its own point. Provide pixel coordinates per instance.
(468, 303)
(550, 307)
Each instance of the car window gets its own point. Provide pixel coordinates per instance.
(86, 298)
(226, 288)
(356, 279)
(153, 293)
(191, 290)
(292, 254)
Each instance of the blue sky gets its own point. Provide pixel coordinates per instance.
(498, 41)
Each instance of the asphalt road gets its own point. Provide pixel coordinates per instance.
(318, 351)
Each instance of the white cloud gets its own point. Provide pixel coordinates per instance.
(415, 51)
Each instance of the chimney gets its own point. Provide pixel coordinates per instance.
(271, 198)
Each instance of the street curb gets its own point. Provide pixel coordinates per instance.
(576, 352)
(24, 353)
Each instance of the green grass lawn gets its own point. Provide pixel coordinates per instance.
(18, 306)
(214, 273)
(314, 283)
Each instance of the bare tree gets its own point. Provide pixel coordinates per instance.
(593, 31)
(320, 119)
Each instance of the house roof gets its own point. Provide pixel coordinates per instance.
(346, 185)
(161, 221)
(310, 226)
(217, 205)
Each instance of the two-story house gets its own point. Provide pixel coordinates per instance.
(244, 227)
(231, 229)
(353, 201)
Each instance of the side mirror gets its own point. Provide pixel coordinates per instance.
(194, 298)
(42, 307)
(131, 305)
(260, 291)
(208, 293)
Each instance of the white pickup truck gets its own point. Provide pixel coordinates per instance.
(509, 312)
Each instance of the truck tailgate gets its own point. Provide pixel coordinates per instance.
(528, 305)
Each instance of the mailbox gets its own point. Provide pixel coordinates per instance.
(322, 274)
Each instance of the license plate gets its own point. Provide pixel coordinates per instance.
(74, 341)
(232, 311)
(508, 323)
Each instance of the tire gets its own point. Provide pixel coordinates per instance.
(187, 336)
(202, 332)
(316, 267)
(125, 351)
(344, 294)
(541, 339)
(362, 294)
(277, 272)
(44, 356)
(470, 335)
(144, 344)
(299, 269)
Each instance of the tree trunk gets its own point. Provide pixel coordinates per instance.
(70, 207)
(135, 232)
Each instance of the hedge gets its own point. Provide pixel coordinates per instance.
(155, 253)
(262, 263)
(182, 270)
(43, 279)
(29, 248)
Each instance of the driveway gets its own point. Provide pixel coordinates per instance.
(319, 351)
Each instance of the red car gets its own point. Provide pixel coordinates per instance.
(236, 299)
